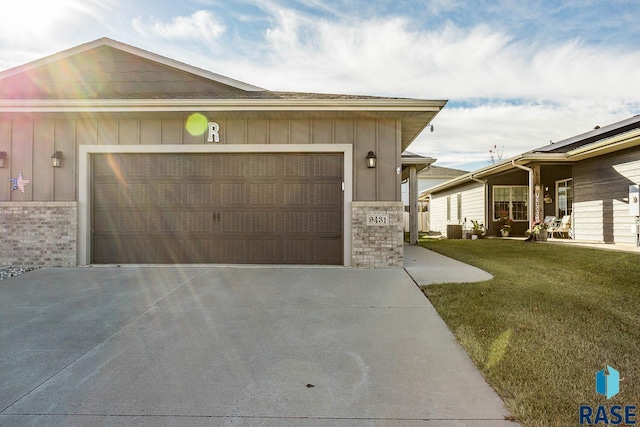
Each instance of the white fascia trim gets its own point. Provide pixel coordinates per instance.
(615, 143)
(84, 178)
(186, 105)
(134, 51)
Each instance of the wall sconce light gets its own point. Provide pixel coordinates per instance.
(56, 159)
(430, 127)
(371, 160)
(3, 156)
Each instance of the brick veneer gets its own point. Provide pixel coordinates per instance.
(377, 246)
(38, 233)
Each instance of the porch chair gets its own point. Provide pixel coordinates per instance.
(563, 228)
(550, 222)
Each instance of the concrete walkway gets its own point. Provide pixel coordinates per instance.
(229, 346)
(427, 267)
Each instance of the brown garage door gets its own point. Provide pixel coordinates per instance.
(217, 208)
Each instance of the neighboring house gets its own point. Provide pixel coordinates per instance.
(428, 177)
(586, 177)
(163, 162)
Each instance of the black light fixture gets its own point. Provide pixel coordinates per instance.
(3, 156)
(371, 160)
(430, 127)
(56, 159)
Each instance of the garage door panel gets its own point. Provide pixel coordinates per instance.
(107, 194)
(326, 251)
(262, 194)
(231, 208)
(233, 166)
(137, 166)
(233, 194)
(327, 166)
(261, 222)
(166, 250)
(263, 166)
(199, 194)
(264, 250)
(326, 193)
(134, 222)
(198, 166)
(169, 194)
(115, 250)
(234, 251)
(169, 167)
(199, 222)
(296, 193)
(297, 166)
(297, 251)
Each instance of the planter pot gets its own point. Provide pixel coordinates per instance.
(505, 233)
(542, 237)
(474, 237)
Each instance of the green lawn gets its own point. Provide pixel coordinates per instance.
(551, 318)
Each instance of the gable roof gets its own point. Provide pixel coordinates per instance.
(88, 79)
(137, 52)
(607, 139)
(441, 172)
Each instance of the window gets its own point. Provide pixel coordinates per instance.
(448, 208)
(512, 201)
(564, 196)
(459, 207)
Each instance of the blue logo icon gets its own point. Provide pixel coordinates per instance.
(608, 382)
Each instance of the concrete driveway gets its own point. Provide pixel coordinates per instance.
(172, 346)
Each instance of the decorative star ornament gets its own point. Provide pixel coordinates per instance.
(18, 183)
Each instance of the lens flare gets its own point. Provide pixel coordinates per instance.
(196, 124)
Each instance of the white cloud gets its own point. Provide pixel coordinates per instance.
(201, 26)
(516, 95)
(389, 57)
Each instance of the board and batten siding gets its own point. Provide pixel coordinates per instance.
(472, 197)
(601, 191)
(30, 142)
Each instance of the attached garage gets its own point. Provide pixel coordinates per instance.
(157, 161)
(276, 208)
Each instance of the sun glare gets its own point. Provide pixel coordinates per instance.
(21, 17)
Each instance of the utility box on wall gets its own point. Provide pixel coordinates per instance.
(634, 200)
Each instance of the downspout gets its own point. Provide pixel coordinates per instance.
(513, 162)
(486, 197)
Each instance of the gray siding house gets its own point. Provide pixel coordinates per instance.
(586, 177)
(112, 154)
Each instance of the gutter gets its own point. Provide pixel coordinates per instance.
(513, 162)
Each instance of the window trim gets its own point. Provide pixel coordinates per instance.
(493, 203)
(558, 182)
(449, 208)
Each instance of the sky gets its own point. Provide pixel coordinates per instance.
(516, 74)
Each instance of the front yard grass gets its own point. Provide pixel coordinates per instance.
(551, 318)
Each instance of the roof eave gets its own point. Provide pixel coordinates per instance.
(146, 105)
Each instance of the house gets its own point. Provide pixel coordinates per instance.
(428, 177)
(111, 154)
(586, 177)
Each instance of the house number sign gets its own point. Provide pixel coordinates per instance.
(376, 219)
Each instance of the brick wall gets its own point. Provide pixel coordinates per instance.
(38, 233)
(377, 246)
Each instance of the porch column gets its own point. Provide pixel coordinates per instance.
(413, 205)
(538, 202)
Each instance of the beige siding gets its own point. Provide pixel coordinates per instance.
(587, 217)
(473, 202)
(438, 211)
(30, 143)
